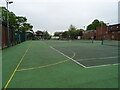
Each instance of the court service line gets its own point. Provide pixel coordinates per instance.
(103, 65)
(16, 68)
(97, 58)
(68, 57)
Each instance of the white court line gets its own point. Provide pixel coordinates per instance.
(68, 57)
(102, 65)
(97, 58)
(82, 64)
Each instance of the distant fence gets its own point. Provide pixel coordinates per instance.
(12, 37)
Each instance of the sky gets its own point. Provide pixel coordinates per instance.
(58, 15)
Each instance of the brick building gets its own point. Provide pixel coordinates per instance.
(114, 32)
(111, 32)
(102, 32)
(89, 34)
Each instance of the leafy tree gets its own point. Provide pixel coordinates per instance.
(72, 28)
(12, 16)
(72, 32)
(17, 22)
(79, 32)
(43, 34)
(30, 35)
(46, 35)
(12, 19)
(90, 27)
(94, 24)
(4, 13)
(102, 23)
(20, 22)
(26, 27)
(65, 35)
(58, 33)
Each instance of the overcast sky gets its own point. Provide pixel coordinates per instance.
(58, 15)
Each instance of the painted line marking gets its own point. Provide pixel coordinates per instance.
(16, 68)
(97, 58)
(103, 65)
(42, 66)
(68, 57)
(46, 65)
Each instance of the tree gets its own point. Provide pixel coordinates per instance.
(17, 22)
(65, 35)
(46, 35)
(72, 32)
(30, 35)
(4, 14)
(12, 16)
(26, 27)
(12, 19)
(43, 35)
(102, 23)
(94, 24)
(79, 32)
(90, 27)
(20, 22)
(58, 33)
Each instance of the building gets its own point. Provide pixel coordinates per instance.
(89, 34)
(102, 32)
(111, 32)
(114, 32)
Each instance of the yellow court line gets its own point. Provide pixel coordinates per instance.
(16, 68)
(46, 65)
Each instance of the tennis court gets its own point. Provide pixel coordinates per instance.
(90, 54)
(60, 64)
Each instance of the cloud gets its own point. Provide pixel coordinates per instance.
(55, 15)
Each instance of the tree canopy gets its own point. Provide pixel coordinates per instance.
(58, 33)
(43, 34)
(72, 33)
(19, 23)
(94, 24)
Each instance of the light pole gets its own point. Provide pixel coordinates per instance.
(7, 3)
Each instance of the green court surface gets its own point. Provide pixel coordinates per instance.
(60, 64)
